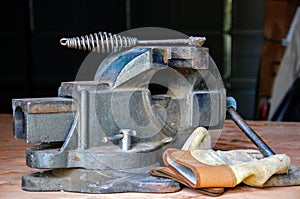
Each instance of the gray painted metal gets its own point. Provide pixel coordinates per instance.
(161, 93)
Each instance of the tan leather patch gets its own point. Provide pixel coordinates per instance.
(197, 174)
(216, 176)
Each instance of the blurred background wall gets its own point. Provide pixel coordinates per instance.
(33, 64)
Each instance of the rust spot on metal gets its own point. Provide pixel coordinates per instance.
(51, 108)
(76, 158)
(51, 105)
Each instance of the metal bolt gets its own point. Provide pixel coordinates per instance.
(125, 143)
(124, 138)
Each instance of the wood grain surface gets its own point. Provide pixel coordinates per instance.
(281, 137)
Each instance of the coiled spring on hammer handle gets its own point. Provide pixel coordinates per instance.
(107, 42)
(99, 42)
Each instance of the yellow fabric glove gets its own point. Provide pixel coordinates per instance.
(249, 166)
(198, 166)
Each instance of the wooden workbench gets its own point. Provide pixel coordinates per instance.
(281, 137)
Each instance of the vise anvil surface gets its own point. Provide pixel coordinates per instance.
(102, 136)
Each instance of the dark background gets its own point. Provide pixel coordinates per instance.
(33, 64)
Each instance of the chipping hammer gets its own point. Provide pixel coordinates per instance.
(292, 177)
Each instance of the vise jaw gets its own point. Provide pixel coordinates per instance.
(102, 136)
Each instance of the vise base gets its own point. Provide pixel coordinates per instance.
(102, 136)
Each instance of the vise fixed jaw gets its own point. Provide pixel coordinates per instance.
(111, 130)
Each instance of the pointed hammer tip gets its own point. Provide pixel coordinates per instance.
(197, 41)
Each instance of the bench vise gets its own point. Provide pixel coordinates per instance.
(103, 136)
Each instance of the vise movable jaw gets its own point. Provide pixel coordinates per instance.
(102, 136)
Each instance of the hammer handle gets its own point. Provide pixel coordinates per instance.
(250, 133)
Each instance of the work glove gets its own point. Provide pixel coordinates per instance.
(198, 166)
